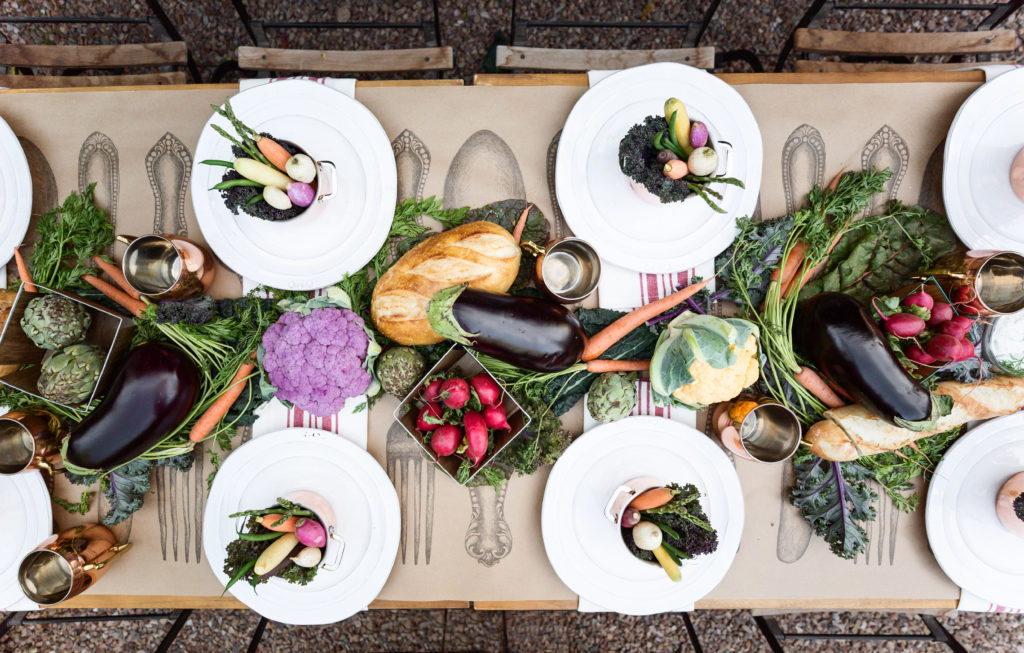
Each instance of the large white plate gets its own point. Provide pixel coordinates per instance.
(986, 134)
(586, 549)
(595, 196)
(355, 485)
(26, 505)
(331, 239)
(965, 535)
(15, 193)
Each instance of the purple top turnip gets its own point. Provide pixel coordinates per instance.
(698, 134)
(310, 533)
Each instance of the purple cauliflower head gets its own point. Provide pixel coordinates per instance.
(316, 361)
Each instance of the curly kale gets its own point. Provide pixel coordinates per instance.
(638, 160)
(1018, 506)
(835, 500)
(198, 310)
(182, 462)
(686, 529)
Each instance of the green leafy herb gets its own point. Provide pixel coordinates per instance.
(896, 471)
(68, 237)
(80, 508)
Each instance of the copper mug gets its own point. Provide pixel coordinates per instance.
(567, 270)
(757, 429)
(994, 280)
(66, 565)
(166, 266)
(27, 441)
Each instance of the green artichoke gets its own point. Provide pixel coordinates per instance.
(612, 396)
(54, 321)
(399, 369)
(69, 376)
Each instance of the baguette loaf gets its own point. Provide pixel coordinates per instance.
(853, 431)
(482, 254)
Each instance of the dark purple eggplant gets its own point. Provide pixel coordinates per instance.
(835, 333)
(151, 395)
(535, 334)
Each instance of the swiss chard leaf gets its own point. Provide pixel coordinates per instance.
(125, 488)
(835, 500)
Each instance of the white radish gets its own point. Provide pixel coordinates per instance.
(301, 168)
(308, 557)
(261, 173)
(702, 161)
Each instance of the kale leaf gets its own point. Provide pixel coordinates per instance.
(125, 489)
(834, 499)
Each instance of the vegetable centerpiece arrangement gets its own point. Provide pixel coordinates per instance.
(670, 158)
(269, 179)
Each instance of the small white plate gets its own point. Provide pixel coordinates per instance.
(331, 239)
(586, 549)
(986, 134)
(26, 503)
(596, 198)
(965, 534)
(363, 499)
(15, 193)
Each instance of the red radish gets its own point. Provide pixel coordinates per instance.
(432, 391)
(944, 347)
(486, 389)
(961, 294)
(966, 350)
(915, 353)
(920, 298)
(956, 327)
(435, 411)
(941, 312)
(310, 533)
(476, 436)
(455, 393)
(630, 518)
(495, 417)
(446, 439)
(901, 325)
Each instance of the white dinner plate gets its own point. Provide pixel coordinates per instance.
(985, 136)
(363, 499)
(331, 239)
(26, 504)
(15, 193)
(596, 198)
(965, 534)
(585, 547)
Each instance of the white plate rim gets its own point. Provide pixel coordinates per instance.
(245, 260)
(14, 173)
(948, 476)
(688, 442)
(672, 75)
(345, 452)
(32, 489)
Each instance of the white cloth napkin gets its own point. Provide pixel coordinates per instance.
(644, 406)
(974, 603)
(346, 85)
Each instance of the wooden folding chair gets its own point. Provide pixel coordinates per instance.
(59, 60)
(879, 51)
(263, 58)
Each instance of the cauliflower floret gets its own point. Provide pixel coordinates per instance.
(713, 385)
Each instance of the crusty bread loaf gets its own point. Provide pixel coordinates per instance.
(853, 431)
(482, 254)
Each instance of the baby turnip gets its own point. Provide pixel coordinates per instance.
(702, 161)
(941, 312)
(446, 439)
(476, 436)
(301, 168)
(698, 134)
(308, 557)
(433, 410)
(432, 391)
(486, 388)
(455, 393)
(495, 417)
(630, 518)
(310, 532)
(301, 193)
(646, 536)
(915, 353)
(956, 327)
(276, 198)
(944, 347)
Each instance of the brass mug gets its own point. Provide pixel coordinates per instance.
(167, 266)
(567, 270)
(759, 429)
(27, 441)
(995, 280)
(66, 565)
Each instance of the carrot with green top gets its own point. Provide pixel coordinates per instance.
(605, 365)
(219, 408)
(276, 154)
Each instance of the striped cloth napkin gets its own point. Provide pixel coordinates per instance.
(346, 85)
(974, 603)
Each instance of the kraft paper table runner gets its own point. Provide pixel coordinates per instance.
(475, 145)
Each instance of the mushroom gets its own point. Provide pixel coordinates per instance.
(647, 536)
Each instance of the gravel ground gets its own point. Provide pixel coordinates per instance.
(213, 31)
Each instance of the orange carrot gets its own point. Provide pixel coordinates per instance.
(809, 379)
(134, 306)
(835, 180)
(788, 268)
(220, 406)
(604, 365)
(23, 270)
(815, 271)
(617, 330)
(276, 154)
(288, 526)
(117, 276)
(652, 498)
(517, 233)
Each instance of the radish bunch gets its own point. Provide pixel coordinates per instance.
(459, 416)
(928, 332)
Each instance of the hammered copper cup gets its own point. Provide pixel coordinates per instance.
(996, 279)
(166, 266)
(27, 441)
(567, 270)
(66, 565)
(758, 429)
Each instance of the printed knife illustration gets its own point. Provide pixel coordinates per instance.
(559, 227)
(44, 186)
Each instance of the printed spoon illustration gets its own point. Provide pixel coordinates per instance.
(559, 227)
(169, 166)
(44, 186)
(886, 149)
(98, 164)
